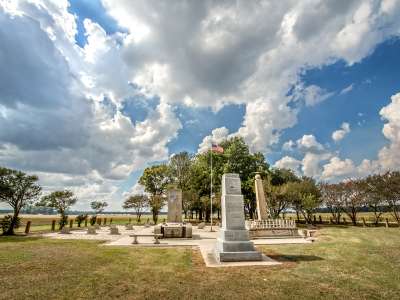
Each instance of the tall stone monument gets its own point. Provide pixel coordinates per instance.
(174, 205)
(234, 243)
(260, 197)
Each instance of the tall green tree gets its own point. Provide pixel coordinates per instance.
(333, 197)
(18, 190)
(179, 166)
(305, 197)
(354, 198)
(155, 180)
(60, 201)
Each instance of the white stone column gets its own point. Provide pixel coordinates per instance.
(260, 197)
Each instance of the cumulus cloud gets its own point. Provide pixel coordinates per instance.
(217, 136)
(62, 104)
(309, 143)
(337, 168)
(339, 134)
(288, 146)
(288, 162)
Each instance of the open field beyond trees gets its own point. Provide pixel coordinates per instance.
(345, 262)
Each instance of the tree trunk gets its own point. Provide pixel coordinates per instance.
(13, 222)
(155, 216)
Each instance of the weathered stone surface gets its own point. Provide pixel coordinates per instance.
(129, 227)
(187, 230)
(234, 244)
(174, 205)
(114, 230)
(201, 225)
(91, 230)
(260, 197)
(173, 231)
(65, 230)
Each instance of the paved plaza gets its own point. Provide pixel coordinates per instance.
(202, 239)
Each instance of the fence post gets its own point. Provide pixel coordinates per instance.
(86, 222)
(130, 219)
(320, 219)
(53, 225)
(28, 227)
(344, 221)
(387, 223)
(364, 223)
(110, 221)
(330, 221)
(105, 221)
(315, 219)
(99, 221)
(71, 223)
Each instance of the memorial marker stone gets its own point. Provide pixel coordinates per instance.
(174, 205)
(260, 197)
(234, 243)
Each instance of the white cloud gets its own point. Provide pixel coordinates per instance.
(217, 136)
(311, 164)
(309, 143)
(288, 162)
(314, 95)
(288, 146)
(347, 89)
(339, 134)
(337, 168)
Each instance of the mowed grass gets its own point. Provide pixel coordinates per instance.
(345, 263)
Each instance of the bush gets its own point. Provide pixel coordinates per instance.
(93, 220)
(6, 221)
(81, 218)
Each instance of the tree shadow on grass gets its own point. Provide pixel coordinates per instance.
(18, 238)
(294, 258)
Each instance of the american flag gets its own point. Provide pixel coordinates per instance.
(216, 148)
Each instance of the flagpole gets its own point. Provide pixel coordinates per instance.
(211, 190)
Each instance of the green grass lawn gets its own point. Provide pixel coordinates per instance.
(346, 263)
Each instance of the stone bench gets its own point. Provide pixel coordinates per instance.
(155, 235)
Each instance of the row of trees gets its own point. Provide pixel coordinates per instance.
(20, 190)
(379, 193)
(284, 190)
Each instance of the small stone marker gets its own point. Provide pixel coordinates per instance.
(320, 219)
(114, 230)
(344, 221)
(71, 223)
(53, 225)
(105, 221)
(111, 220)
(201, 225)
(364, 223)
(260, 198)
(91, 230)
(86, 222)
(28, 227)
(234, 243)
(386, 223)
(174, 205)
(65, 230)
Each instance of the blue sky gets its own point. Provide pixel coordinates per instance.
(313, 86)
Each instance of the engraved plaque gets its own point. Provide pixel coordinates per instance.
(231, 184)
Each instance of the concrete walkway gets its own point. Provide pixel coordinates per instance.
(202, 238)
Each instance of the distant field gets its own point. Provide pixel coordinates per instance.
(42, 223)
(345, 263)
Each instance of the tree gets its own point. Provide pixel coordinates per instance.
(156, 202)
(374, 195)
(18, 190)
(305, 197)
(155, 180)
(276, 190)
(98, 206)
(179, 169)
(61, 201)
(138, 203)
(333, 198)
(354, 198)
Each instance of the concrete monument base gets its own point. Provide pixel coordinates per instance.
(174, 230)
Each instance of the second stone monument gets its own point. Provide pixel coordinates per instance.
(234, 243)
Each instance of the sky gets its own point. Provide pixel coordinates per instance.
(93, 91)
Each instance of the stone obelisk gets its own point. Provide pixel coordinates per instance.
(260, 197)
(234, 243)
